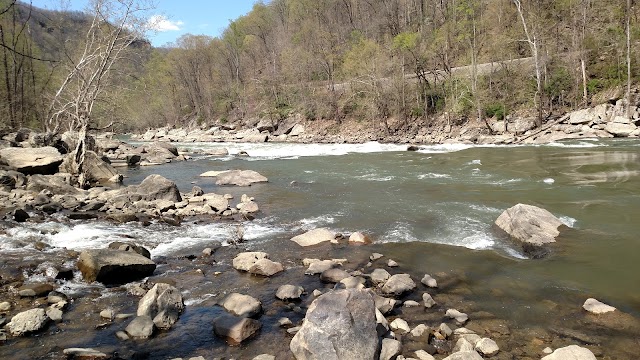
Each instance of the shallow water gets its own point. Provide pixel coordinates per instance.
(409, 201)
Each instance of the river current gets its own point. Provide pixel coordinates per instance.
(431, 210)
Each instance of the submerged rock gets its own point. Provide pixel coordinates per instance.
(340, 324)
(240, 178)
(358, 238)
(266, 267)
(141, 327)
(27, 322)
(534, 227)
(235, 329)
(84, 354)
(289, 292)
(114, 266)
(241, 305)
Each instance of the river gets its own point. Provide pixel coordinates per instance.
(431, 210)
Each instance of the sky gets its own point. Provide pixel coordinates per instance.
(174, 18)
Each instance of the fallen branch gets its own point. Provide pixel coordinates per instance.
(543, 128)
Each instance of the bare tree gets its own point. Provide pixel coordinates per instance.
(115, 25)
(534, 44)
(628, 33)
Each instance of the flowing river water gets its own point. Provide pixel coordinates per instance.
(431, 211)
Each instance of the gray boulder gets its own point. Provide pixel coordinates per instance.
(618, 129)
(156, 187)
(244, 261)
(390, 349)
(398, 284)
(340, 324)
(114, 266)
(240, 178)
(58, 184)
(534, 227)
(464, 355)
(241, 305)
(97, 171)
(314, 237)
(571, 352)
(379, 276)
(235, 329)
(141, 327)
(27, 322)
(333, 275)
(163, 303)
(289, 292)
(44, 160)
(125, 246)
(266, 267)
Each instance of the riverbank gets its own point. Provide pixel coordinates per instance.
(602, 121)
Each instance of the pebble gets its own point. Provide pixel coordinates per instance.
(122, 335)
(375, 256)
(429, 281)
(392, 263)
(285, 322)
(399, 325)
(428, 300)
(317, 293)
(294, 330)
(411, 303)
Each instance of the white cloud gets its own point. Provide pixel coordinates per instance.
(161, 23)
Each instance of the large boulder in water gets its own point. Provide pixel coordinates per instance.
(44, 160)
(534, 227)
(340, 324)
(156, 187)
(240, 178)
(114, 266)
(235, 329)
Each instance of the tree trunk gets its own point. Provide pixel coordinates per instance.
(628, 59)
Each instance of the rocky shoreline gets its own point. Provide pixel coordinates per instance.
(602, 121)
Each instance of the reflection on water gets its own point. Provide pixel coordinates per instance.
(602, 166)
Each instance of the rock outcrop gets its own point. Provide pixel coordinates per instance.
(44, 160)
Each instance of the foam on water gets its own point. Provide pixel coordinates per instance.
(569, 221)
(434, 176)
(548, 181)
(581, 144)
(269, 151)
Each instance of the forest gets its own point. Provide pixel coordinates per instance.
(412, 61)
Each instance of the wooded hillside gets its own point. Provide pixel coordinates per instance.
(369, 60)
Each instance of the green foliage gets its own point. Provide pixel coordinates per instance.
(495, 110)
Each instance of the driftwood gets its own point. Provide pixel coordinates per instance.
(542, 129)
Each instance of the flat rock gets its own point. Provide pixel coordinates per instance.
(266, 267)
(289, 292)
(27, 322)
(333, 275)
(240, 178)
(244, 261)
(340, 324)
(399, 325)
(423, 355)
(460, 317)
(314, 237)
(532, 226)
(241, 305)
(596, 307)
(571, 352)
(398, 284)
(35, 290)
(235, 329)
(84, 354)
(618, 129)
(141, 327)
(44, 160)
(318, 267)
(114, 266)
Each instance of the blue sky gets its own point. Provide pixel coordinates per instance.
(174, 18)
